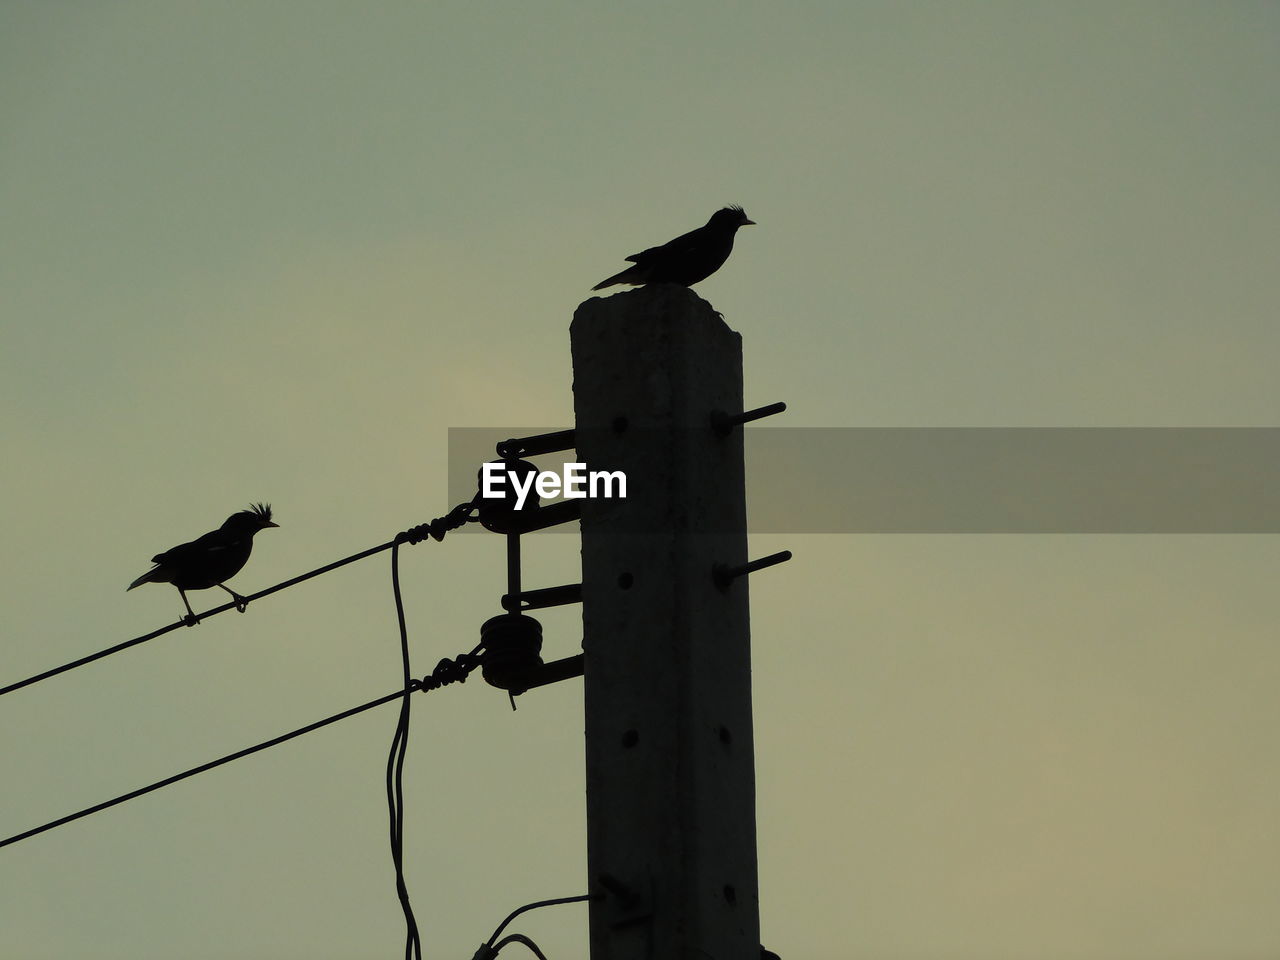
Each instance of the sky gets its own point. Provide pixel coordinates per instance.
(275, 251)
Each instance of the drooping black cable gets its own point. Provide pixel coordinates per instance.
(436, 529)
(533, 906)
(446, 672)
(395, 773)
(519, 938)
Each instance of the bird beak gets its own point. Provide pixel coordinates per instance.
(269, 524)
(748, 223)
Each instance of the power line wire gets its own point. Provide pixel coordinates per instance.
(537, 904)
(436, 529)
(395, 773)
(446, 672)
(519, 938)
(489, 949)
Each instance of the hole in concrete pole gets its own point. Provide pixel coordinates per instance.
(730, 894)
(725, 735)
(630, 739)
(625, 580)
(619, 424)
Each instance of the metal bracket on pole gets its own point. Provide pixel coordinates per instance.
(626, 906)
(532, 446)
(723, 423)
(512, 642)
(546, 597)
(724, 576)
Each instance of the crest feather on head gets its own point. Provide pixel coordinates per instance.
(259, 511)
(733, 213)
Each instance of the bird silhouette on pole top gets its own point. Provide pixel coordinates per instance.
(688, 258)
(211, 559)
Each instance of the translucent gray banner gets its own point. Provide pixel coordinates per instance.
(980, 479)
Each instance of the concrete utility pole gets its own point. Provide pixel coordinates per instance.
(671, 837)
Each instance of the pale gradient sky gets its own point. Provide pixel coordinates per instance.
(274, 250)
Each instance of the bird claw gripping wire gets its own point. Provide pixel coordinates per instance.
(191, 620)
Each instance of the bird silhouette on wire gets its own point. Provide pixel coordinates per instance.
(687, 259)
(211, 559)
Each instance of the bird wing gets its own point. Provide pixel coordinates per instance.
(200, 547)
(681, 246)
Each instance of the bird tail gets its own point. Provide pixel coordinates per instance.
(616, 278)
(149, 577)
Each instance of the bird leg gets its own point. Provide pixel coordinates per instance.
(241, 603)
(190, 619)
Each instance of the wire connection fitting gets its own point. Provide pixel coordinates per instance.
(459, 516)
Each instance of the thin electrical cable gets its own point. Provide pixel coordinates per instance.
(520, 938)
(132, 794)
(534, 906)
(395, 773)
(446, 672)
(436, 529)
